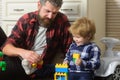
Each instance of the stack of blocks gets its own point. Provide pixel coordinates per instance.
(2, 63)
(61, 72)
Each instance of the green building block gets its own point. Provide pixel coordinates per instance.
(3, 65)
(1, 54)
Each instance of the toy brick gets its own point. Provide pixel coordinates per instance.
(60, 76)
(61, 66)
(61, 69)
(1, 54)
(37, 65)
(61, 72)
(3, 65)
(76, 55)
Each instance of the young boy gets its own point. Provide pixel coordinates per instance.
(83, 56)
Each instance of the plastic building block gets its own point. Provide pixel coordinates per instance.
(38, 65)
(3, 65)
(61, 68)
(61, 72)
(75, 56)
(1, 56)
(60, 76)
(30, 68)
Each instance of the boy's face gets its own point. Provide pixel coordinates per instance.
(79, 40)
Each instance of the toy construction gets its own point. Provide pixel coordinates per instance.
(61, 72)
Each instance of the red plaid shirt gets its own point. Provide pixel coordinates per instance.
(26, 28)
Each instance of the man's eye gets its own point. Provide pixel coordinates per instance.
(55, 13)
(47, 11)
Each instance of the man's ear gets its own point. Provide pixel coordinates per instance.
(39, 5)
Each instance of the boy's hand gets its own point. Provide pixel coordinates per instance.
(78, 61)
(65, 62)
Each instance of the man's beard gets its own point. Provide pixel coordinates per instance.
(45, 22)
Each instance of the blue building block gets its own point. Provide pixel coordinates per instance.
(61, 78)
(61, 70)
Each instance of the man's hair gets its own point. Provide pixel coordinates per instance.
(83, 27)
(56, 3)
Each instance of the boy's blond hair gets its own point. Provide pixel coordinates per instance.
(83, 27)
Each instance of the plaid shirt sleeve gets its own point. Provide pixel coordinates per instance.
(21, 35)
(94, 62)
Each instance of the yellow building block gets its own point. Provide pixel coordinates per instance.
(61, 66)
(34, 65)
(76, 55)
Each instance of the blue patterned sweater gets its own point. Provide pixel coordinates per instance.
(90, 55)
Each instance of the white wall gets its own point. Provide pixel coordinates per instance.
(0, 11)
(96, 11)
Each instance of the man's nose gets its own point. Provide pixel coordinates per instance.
(50, 15)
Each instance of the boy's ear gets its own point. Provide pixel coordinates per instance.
(89, 37)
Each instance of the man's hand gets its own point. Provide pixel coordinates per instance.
(31, 56)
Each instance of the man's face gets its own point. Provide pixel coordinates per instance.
(47, 13)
